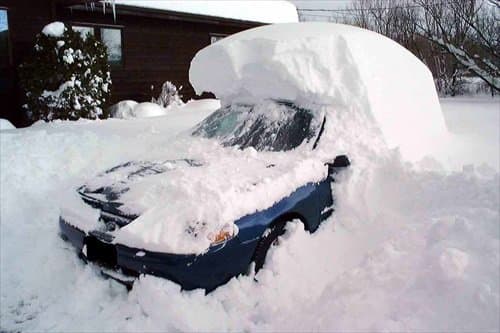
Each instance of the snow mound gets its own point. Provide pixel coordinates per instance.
(6, 125)
(323, 63)
(123, 109)
(275, 11)
(406, 250)
(54, 29)
(202, 104)
(148, 109)
(129, 109)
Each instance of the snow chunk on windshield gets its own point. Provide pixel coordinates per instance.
(54, 29)
(330, 64)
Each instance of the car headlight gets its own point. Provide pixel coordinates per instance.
(227, 232)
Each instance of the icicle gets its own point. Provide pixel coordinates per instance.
(113, 7)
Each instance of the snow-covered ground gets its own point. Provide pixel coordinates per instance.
(476, 138)
(412, 246)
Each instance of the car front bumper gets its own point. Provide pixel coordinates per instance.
(207, 271)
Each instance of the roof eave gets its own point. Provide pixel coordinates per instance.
(121, 9)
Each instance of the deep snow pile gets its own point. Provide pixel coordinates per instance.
(330, 64)
(123, 109)
(474, 136)
(406, 249)
(148, 109)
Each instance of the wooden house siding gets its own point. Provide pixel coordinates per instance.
(156, 45)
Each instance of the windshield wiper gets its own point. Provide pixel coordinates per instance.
(320, 133)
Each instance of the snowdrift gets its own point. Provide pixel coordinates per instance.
(406, 250)
(321, 63)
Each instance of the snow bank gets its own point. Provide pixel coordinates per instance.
(474, 133)
(406, 249)
(6, 125)
(123, 109)
(321, 63)
(129, 109)
(274, 11)
(54, 29)
(148, 109)
(201, 104)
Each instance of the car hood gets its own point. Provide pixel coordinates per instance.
(174, 205)
(106, 190)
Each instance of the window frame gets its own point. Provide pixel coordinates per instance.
(85, 26)
(97, 34)
(120, 64)
(9, 42)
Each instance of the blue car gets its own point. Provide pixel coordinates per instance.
(237, 125)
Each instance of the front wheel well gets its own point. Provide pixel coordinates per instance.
(273, 231)
(287, 217)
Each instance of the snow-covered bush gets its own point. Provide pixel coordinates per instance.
(169, 95)
(67, 77)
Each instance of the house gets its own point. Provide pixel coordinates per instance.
(148, 41)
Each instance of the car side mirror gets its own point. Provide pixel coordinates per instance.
(340, 162)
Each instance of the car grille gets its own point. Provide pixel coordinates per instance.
(100, 251)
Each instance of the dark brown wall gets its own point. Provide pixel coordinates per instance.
(154, 50)
(157, 46)
(26, 18)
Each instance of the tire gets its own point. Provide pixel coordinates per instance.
(276, 230)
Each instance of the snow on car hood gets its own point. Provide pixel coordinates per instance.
(332, 64)
(113, 190)
(179, 202)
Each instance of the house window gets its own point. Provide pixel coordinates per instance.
(112, 38)
(216, 37)
(4, 39)
(84, 31)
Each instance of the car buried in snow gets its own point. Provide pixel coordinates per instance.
(232, 249)
(295, 99)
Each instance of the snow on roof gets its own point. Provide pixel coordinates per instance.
(273, 11)
(331, 64)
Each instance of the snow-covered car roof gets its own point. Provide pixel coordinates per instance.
(331, 64)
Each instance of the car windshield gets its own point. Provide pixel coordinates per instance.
(268, 126)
